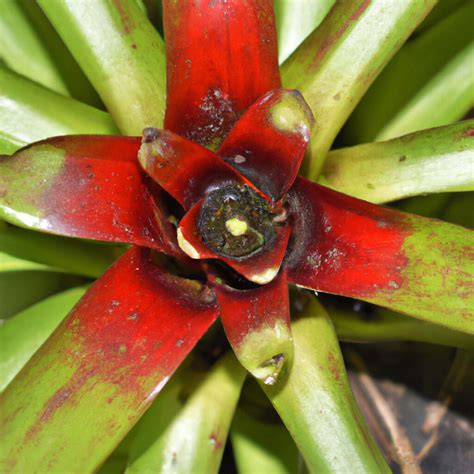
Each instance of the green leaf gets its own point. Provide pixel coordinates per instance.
(30, 112)
(316, 404)
(23, 334)
(77, 84)
(76, 256)
(22, 49)
(261, 447)
(430, 161)
(185, 430)
(422, 74)
(447, 97)
(121, 54)
(336, 64)
(295, 21)
(384, 325)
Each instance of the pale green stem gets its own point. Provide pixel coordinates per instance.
(261, 447)
(296, 20)
(385, 325)
(186, 428)
(316, 404)
(447, 97)
(23, 50)
(23, 334)
(336, 64)
(431, 161)
(120, 52)
(29, 112)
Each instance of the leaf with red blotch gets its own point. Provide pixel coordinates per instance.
(208, 86)
(84, 186)
(257, 324)
(103, 366)
(268, 142)
(260, 268)
(418, 266)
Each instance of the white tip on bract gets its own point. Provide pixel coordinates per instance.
(186, 247)
(265, 277)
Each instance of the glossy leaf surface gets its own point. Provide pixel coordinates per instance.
(262, 447)
(295, 21)
(260, 268)
(411, 264)
(22, 48)
(268, 142)
(392, 99)
(110, 200)
(183, 168)
(337, 63)
(209, 86)
(30, 112)
(429, 161)
(186, 430)
(121, 54)
(76, 256)
(23, 334)
(102, 367)
(380, 324)
(257, 325)
(316, 404)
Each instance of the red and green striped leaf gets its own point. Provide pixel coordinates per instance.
(414, 265)
(84, 186)
(99, 371)
(221, 57)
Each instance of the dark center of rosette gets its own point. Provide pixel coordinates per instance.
(235, 221)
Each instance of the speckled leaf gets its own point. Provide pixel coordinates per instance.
(417, 266)
(83, 186)
(337, 63)
(431, 161)
(99, 371)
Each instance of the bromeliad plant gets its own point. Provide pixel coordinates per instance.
(220, 225)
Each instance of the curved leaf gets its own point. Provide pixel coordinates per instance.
(23, 334)
(261, 447)
(336, 64)
(221, 57)
(186, 430)
(295, 21)
(89, 259)
(430, 161)
(417, 266)
(411, 76)
(121, 54)
(104, 365)
(379, 325)
(316, 404)
(23, 50)
(110, 201)
(30, 112)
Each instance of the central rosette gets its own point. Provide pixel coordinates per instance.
(236, 222)
(234, 198)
